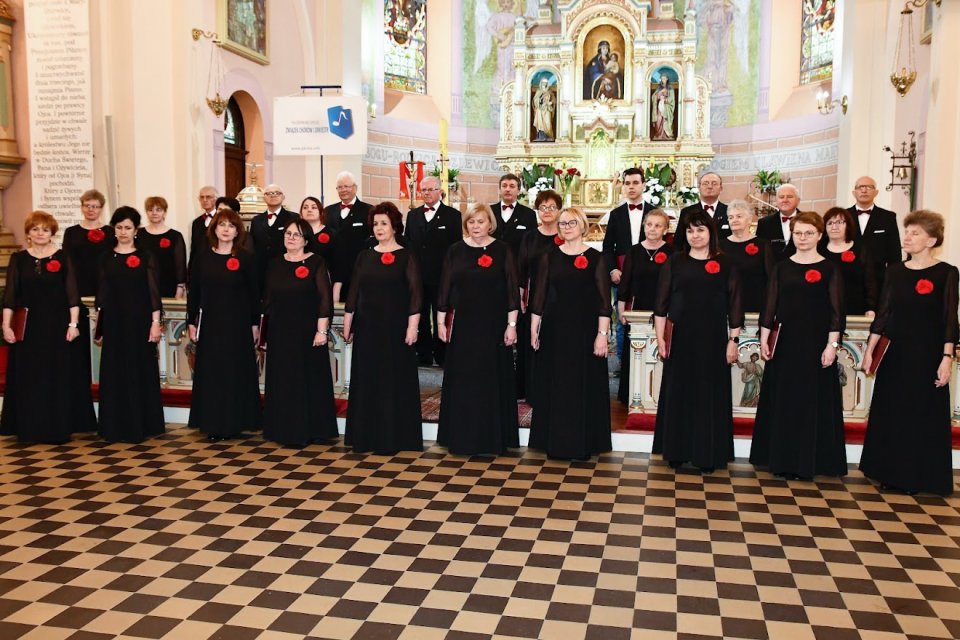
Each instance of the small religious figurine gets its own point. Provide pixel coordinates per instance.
(544, 110)
(664, 109)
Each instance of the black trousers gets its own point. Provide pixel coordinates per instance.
(430, 348)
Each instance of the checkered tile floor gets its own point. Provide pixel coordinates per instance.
(182, 539)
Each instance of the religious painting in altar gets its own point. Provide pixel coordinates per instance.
(543, 106)
(245, 24)
(487, 44)
(604, 64)
(664, 99)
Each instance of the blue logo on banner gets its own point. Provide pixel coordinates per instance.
(341, 122)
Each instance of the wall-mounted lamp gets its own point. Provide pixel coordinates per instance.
(215, 78)
(903, 166)
(826, 106)
(904, 72)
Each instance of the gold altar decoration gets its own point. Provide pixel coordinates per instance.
(611, 85)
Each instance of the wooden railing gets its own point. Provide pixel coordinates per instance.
(646, 368)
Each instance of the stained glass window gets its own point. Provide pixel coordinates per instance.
(816, 40)
(405, 45)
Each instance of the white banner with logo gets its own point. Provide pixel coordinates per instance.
(315, 126)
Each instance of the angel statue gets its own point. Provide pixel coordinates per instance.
(723, 20)
(490, 28)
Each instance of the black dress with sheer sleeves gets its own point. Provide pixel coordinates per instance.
(571, 413)
(638, 291)
(84, 247)
(695, 408)
(908, 441)
(532, 247)
(753, 260)
(43, 400)
(799, 424)
(324, 244)
(860, 292)
(131, 409)
(478, 408)
(170, 250)
(383, 412)
(299, 407)
(224, 305)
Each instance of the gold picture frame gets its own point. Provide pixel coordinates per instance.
(242, 25)
(614, 37)
(926, 24)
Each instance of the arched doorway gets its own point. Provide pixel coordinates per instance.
(234, 149)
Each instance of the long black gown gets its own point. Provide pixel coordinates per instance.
(799, 424)
(170, 250)
(84, 247)
(859, 278)
(224, 303)
(383, 413)
(571, 413)
(43, 400)
(298, 396)
(532, 247)
(695, 409)
(131, 409)
(324, 244)
(638, 290)
(478, 407)
(908, 442)
(753, 260)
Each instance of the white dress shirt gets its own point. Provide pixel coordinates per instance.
(787, 236)
(863, 219)
(506, 214)
(345, 212)
(429, 214)
(636, 222)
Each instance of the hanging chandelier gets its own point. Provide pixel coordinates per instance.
(904, 72)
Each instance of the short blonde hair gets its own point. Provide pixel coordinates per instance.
(476, 210)
(658, 213)
(578, 214)
(40, 219)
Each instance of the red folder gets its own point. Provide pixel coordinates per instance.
(19, 322)
(772, 339)
(448, 323)
(667, 339)
(264, 326)
(879, 350)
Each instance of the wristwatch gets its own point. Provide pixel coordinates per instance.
(835, 344)
(511, 324)
(603, 333)
(72, 325)
(735, 339)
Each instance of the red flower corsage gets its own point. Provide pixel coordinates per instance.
(848, 256)
(557, 240)
(164, 243)
(485, 261)
(301, 272)
(323, 238)
(660, 258)
(751, 249)
(581, 262)
(812, 275)
(233, 264)
(96, 235)
(387, 258)
(133, 262)
(53, 266)
(712, 266)
(924, 287)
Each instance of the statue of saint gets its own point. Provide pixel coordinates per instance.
(664, 107)
(544, 110)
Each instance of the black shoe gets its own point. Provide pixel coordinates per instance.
(707, 469)
(675, 464)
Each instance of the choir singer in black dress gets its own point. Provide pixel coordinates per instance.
(699, 294)
(638, 283)
(478, 304)
(167, 246)
(128, 302)
(223, 311)
(381, 316)
(908, 442)
(84, 243)
(853, 258)
(299, 407)
(570, 329)
(40, 280)
(798, 432)
(323, 239)
(752, 256)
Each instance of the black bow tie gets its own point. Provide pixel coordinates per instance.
(426, 208)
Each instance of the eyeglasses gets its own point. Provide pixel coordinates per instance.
(428, 190)
(836, 222)
(273, 193)
(864, 187)
(804, 234)
(292, 234)
(345, 186)
(547, 208)
(563, 224)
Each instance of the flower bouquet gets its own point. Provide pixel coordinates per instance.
(688, 195)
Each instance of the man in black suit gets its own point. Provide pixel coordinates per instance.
(198, 229)
(711, 184)
(348, 218)
(431, 229)
(266, 230)
(776, 227)
(877, 227)
(514, 220)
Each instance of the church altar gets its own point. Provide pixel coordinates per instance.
(608, 87)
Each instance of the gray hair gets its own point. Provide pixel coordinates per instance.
(739, 205)
(346, 174)
(787, 185)
(434, 179)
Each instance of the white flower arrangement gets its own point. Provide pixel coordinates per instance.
(689, 195)
(653, 192)
(540, 185)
